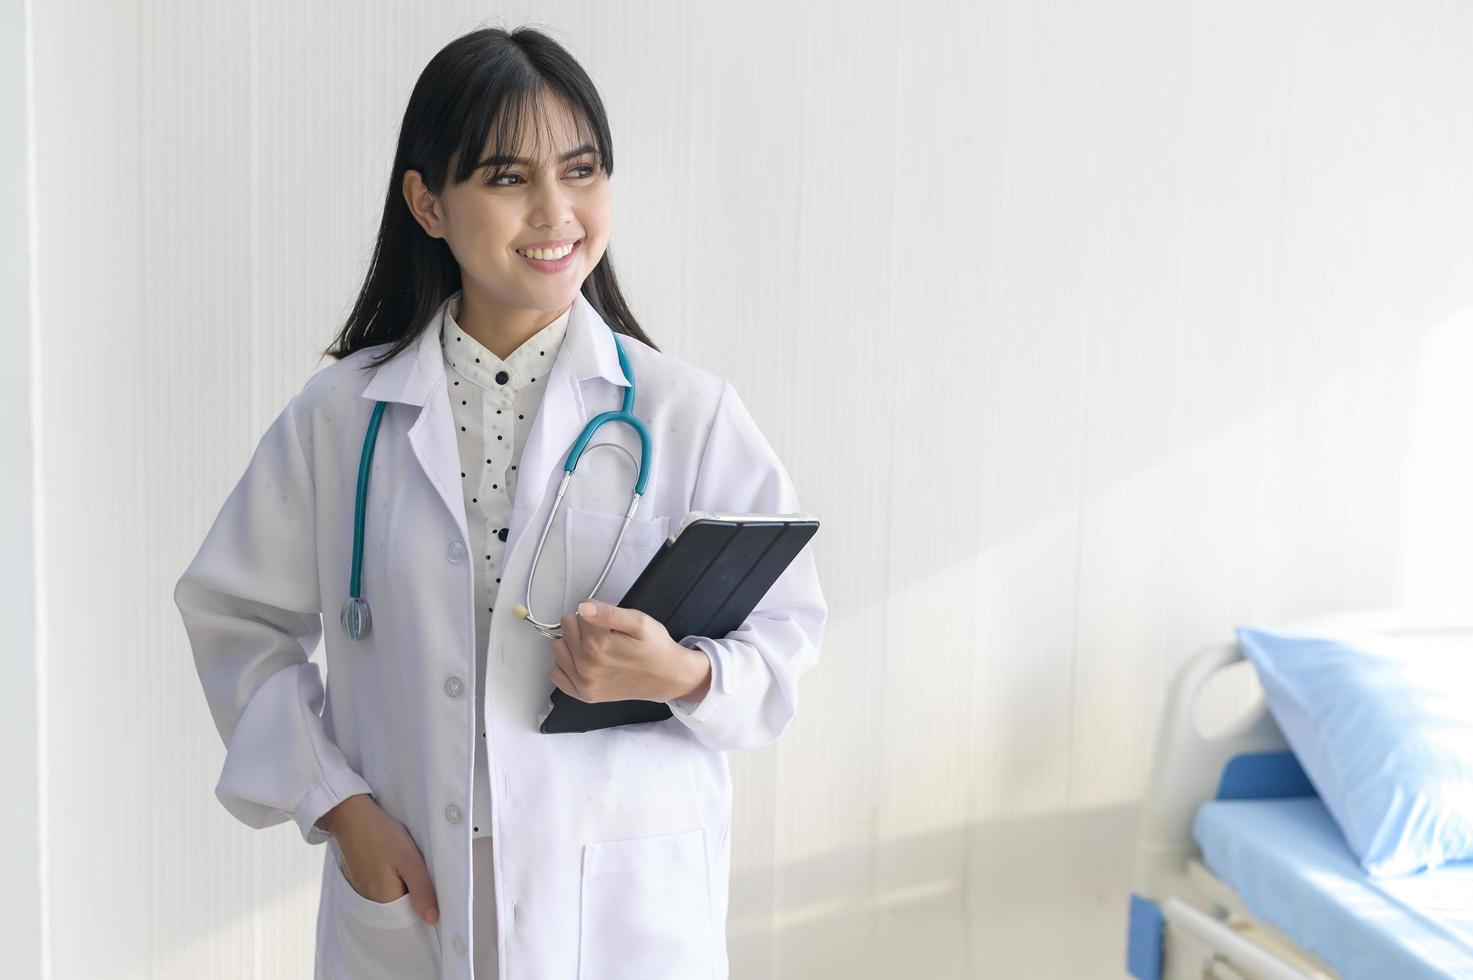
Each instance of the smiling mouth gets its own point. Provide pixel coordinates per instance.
(549, 254)
(564, 260)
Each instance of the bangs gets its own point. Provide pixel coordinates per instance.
(493, 127)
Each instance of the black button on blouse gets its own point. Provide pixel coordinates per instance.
(502, 377)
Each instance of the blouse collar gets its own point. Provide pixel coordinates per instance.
(475, 362)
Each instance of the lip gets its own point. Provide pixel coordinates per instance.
(556, 265)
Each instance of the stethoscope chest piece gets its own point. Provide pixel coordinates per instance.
(355, 618)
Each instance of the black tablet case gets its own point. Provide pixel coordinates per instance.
(704, 584)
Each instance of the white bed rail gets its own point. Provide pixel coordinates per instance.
(1187, 769)
(1218, 936)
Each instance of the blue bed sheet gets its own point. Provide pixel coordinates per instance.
(1289, 862)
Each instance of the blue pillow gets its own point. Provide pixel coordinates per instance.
(1383, 726)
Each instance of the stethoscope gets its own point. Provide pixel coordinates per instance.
(355, 615)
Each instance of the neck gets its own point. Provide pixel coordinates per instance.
(499, 328)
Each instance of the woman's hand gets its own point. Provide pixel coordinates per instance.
(614, 654)
(380, 859)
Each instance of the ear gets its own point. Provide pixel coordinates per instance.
(424, 204)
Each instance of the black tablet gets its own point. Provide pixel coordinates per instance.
(704, 581)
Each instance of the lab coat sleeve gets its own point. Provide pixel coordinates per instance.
(252, 612)
(753, 693)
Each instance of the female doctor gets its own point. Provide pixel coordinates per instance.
(490, 329)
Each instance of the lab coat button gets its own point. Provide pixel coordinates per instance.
(452, 813)
(456, 551)
(459, 944)
(454, 686)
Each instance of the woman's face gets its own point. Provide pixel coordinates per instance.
(563, 197)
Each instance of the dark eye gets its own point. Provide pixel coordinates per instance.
(494, 181)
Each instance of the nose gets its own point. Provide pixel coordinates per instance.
(552, 208)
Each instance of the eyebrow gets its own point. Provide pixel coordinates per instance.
(497, 160)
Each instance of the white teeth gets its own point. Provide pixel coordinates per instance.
(547, 254)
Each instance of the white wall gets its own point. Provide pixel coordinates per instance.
(1088, 329)
(22, 745)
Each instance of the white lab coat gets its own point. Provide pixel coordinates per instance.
(612, 847)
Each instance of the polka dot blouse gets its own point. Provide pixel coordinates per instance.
(493, 402)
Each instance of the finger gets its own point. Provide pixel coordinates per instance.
(360, 884)
(566, 685)
(421, 891)
(573, 632)
(597, 614)
(562, 656)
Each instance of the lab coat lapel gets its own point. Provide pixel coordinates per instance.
(417, 377)
(586, 358)
(432, 437)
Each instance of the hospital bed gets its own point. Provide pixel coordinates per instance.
(1241, 873)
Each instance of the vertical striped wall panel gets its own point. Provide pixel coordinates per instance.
(1089, 330)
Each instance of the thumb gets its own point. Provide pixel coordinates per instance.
(608, 616)
(421, 892)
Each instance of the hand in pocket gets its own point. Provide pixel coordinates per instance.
(380, 859)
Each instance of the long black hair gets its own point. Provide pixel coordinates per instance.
(480, 82)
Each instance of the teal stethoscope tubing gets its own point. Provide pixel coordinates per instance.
(355, 615)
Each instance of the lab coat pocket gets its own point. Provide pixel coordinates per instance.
(375, 940)
(646, 908)
(588, 538)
